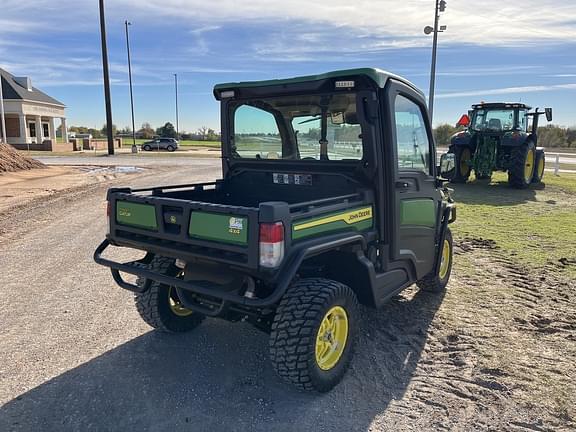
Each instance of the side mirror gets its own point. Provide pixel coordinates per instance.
(464, 121)
(548, 112)
(447, 166)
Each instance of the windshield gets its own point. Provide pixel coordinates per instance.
(493, 120)
(307, 127)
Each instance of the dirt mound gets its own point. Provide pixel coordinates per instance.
(11, 160)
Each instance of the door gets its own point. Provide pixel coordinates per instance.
(416, 197)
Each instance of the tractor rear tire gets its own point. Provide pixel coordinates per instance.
(314, 333)
(521, 169)
(540, 164)
(159, 306)
(462, 156)
(437, 281)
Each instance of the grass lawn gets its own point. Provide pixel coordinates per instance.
(536, 225)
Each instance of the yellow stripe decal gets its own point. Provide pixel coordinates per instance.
(348, 217)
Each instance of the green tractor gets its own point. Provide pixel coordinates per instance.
(498, 138)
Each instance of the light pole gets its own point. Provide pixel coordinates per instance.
(176, 91)
(134, 148)
(2, 117)
(106, 80)
(440, 7)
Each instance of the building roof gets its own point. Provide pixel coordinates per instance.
(378, 76)
(12, 88)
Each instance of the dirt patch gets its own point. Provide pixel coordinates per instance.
(18, 189)
(11, 160)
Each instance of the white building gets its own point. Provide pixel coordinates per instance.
(29, 112)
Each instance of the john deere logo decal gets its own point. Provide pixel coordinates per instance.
(173, 219)
(235, 225)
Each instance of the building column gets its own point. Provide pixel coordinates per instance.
(64, 129)
(39, 131)
(51, 129)
(23, 128)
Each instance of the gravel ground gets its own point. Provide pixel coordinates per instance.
(496, 353)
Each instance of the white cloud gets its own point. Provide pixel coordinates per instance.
(507, 90)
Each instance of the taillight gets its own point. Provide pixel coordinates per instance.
(107, 209)
(271, 244)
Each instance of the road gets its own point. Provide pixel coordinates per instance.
(76, 356)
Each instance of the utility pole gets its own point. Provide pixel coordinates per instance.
(440, 7)
(134, 148)
(106, 80)
(2, 117)
(176, 90)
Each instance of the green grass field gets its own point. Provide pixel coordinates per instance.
(535, 225)
(183, 143)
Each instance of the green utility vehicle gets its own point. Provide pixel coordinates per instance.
(498, 138)
(329, 198)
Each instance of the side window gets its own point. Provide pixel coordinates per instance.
(411, 138)
(256, 134)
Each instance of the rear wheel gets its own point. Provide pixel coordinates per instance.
(314, 333)
(539, 166)
(463, 158)
(436, 282)
(160, 307)
(522, 160)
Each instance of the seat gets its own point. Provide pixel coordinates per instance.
(495, 124)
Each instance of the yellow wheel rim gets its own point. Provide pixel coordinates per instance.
(445, 260)
(541, 167)
(529, 166)
(175, 305)
(331, 338)
(464, 159)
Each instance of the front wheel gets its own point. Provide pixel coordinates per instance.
(146, 148)
(314, 333)
(437, 280)
(159, 306)
(170, 148)
(522, 161)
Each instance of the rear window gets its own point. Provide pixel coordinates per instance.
(291, 127)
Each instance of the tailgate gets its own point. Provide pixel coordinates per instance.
(185, 228)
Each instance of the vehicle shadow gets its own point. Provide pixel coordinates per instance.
(218, 378)
(494, 193)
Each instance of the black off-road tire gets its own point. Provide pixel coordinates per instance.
(539, 166)
(462, 169)
(295, 329)
(154, 304)
(436, 282)
(517, 177)
(146, 148)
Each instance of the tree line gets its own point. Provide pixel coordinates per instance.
(146, 131)
(548, 136)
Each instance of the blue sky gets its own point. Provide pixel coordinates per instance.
(491, 51)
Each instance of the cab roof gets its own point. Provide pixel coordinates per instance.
(378, 76)
(500, 105)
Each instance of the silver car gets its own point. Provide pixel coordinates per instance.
(170, 144)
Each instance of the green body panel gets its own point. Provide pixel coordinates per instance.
(136, 214)
(218, 227)
(358, 219)
(419, 211)
(379, 77)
